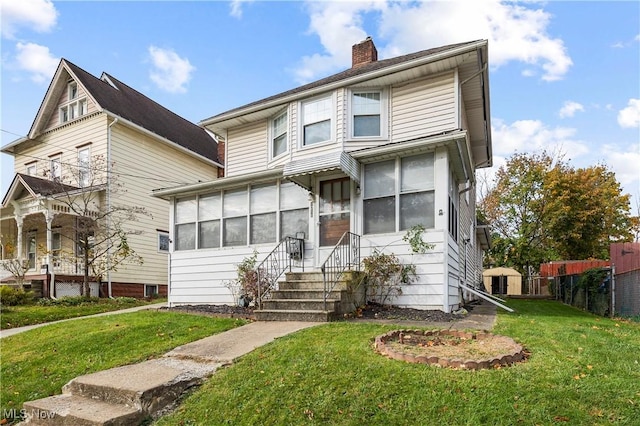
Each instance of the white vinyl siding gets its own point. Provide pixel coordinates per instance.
(247, 149)
(423, 108)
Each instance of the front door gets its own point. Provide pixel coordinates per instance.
(334, 212)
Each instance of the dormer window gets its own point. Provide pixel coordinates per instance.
(279, 139)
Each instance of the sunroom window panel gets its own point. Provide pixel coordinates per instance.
(209, 207)
(417, 209)
(263, 198)
(209, 234)
(292, 196)
(293, 222)
(380, 215)
(379, 179)
(185, 236)
(186, 210)
(235, 203)
(235, 231)
(263, 228)
(417, 173)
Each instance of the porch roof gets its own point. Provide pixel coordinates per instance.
(34, 186)
(301, 172)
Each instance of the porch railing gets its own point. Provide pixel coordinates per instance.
(282, 258)
(344, 256)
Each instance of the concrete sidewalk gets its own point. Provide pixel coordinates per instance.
(12, 331)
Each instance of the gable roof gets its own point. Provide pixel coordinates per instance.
(120, 100)
(35, 186)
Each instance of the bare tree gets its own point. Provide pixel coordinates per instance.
(101, 228)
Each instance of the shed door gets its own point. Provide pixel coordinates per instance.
(334, 212)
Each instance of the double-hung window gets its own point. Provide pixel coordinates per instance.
(399, 194)
(84, 168)
(235, 211)
(209, 207)
(263, 213)
(279, 139)
(366, 109)
(31, 169)
(317, 120)
(55, 167)
(185, 219)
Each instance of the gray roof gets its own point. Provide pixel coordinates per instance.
(132, 105)
(347, 74)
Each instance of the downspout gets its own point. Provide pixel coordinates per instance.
(109, 293)
(612, 271)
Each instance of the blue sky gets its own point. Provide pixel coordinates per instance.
(565, 76)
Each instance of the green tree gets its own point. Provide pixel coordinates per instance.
(543, 209)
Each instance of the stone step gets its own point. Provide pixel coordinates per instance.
(74, 410)
(304, 294)
(300, 304)
(294, 315)
(309, 275)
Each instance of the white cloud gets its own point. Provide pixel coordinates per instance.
(170, 72)
(630, 116)
(515, 32)
(37, 15)
(535, 136)
(623, 160)
(236, 8)
(570, 108)
(37, 60)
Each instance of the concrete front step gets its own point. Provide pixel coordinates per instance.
(304, 294)
(73, 410)
(146, 388)
(300, 304)
(294, 315)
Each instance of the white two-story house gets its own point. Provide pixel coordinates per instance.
(97, 139)
(373, 150)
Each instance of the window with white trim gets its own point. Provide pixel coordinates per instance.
(55, 167)
(30, 169)
(279, 140)
(366, 113)
(84, 167)
(56, 248)
(399, 194)
(150, 290)
(209, 220)
(74, 107)
(294, 211)
(263, 214)
(234, 218)
(316, 120)
(185, 219)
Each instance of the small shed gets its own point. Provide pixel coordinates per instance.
(502, 281)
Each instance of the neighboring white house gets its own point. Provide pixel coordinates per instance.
(142, 146)
(374, 150)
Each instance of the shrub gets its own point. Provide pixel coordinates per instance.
(69, 301)
(10, 296)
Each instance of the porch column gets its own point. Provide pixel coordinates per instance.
(18, 218)
(48, 216)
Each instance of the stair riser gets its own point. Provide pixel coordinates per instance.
(41, 413)
(299, 305)
(309, 285)
(294, 316)
(304, 294)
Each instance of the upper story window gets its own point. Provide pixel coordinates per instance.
(74, 107)
(316, 120)
(279, 140)
(55, 167)
(366, 109)
(31, 169)
(84, 166)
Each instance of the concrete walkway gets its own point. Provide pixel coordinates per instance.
(12, 331)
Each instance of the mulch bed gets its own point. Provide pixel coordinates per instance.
(371, 311)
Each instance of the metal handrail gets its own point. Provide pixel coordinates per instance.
(276, 263)
(345, 254)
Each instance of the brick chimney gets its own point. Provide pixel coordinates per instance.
(363, 53)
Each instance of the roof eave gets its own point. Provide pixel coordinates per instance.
(345, 82)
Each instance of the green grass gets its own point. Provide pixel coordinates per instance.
(37, 363)
(583, 369)
(19, 316)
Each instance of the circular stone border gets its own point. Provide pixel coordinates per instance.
(504, 359)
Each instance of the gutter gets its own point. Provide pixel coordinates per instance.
(346, 82)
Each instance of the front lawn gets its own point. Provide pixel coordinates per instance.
(583, 369)
(19, 316)
(37, 363)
